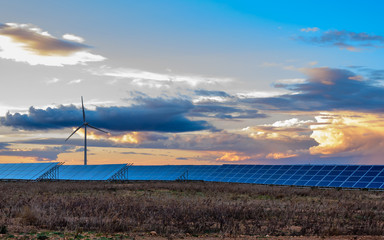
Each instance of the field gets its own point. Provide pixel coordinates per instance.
(174, 210)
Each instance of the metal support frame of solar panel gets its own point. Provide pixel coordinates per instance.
(122, 174)
(24, 171)
(346, 176)
(51, 174)
(89, 172)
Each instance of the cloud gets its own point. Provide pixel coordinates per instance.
(279, 155)
(30, 44)
(349, 134)
(225, 112)
(136, 153)
(290, 123)
(74, 38)
(326, 89)
(53, 80)
(40, 154)
(232, 157)
(292, 130)
(156, 80)
(148, 114)
(215, 144)
(309, 29)
(343, 39)
(4, 145)
(134, 138)
(291, 80)
(76, 81)
(207, 93)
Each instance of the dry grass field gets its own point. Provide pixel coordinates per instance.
(173, 210)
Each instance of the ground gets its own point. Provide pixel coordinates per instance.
(186, 210)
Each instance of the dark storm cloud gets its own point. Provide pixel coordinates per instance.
(160, 115)
(327, 89)
(147, 114)
(344, 39)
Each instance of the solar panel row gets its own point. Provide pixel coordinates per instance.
(348, 176)
(303, 175)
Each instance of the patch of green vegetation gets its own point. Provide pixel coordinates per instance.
(3, 229)
(264, 197)
(42, 237)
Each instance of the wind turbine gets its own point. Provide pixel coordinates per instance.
(85, 125)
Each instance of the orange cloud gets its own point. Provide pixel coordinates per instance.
(132, 137)
(280, 155)
(232, 157)
(348, 132)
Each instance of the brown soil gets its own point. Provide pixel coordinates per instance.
(186, 210)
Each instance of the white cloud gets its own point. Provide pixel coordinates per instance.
(53, 80)
(291, 81)
(74, 38)
(156, 80)
(203, 99)
(29, 44)
(308, 29)
(258, 94)
(293, 122)
(76, 81)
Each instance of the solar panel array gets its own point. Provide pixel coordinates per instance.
(24, 171)
(346, 176)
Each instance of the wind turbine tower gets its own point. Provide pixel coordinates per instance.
(85, 125)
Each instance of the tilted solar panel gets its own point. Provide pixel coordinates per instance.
(89, 172)
(163, 173)
(349, 176)
(24, 171)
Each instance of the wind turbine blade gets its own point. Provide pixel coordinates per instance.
(96, 128)
(82, 105)
(74, 132)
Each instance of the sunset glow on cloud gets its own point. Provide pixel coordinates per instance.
(349, 133)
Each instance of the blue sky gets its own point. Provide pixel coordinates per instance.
(193, 82)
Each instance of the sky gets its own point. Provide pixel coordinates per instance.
(192, 82)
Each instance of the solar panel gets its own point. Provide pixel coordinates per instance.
(162, 173)
(89, 172)
(24, 171)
